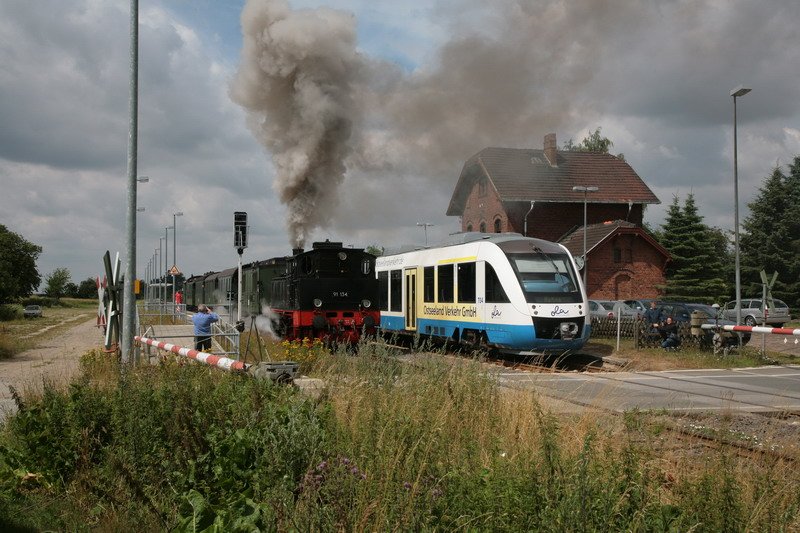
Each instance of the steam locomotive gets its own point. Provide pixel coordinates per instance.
(326, 292)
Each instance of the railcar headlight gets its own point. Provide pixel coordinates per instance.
(317, 302)
(342, 256)
(366, 303)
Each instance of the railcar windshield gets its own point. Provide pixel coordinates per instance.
(546, 278)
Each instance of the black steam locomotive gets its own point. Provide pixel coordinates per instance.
(329, 292)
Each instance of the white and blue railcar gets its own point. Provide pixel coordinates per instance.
(504, 291)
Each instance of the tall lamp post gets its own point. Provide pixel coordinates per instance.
(735, 93)
(175, 246)
(166, 261)
(425, 225)
(585, 190)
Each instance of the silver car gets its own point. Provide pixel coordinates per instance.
(32, 311)
(752, 315)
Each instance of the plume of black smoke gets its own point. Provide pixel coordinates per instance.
(295, 81)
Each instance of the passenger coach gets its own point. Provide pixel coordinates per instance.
(503, 291)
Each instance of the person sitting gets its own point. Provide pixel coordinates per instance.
(669, 334)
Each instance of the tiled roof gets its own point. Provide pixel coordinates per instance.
(525, 175)
(597, 233)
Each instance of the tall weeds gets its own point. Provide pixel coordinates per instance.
(431, 443)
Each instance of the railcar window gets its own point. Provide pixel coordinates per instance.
(445, 283)
(366, 266)
(396, 288)
(383, 291)
(466, 282)
(494, 289)
(546, 277)
(429, 289)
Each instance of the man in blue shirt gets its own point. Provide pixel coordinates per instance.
(202, 320)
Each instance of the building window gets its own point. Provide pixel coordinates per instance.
(483, 227)
(497, 225)
(623, 255)
(469, 227)
(482, 187)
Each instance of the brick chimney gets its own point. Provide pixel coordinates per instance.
(550, 149)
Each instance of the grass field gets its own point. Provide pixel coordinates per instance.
(386, 446)
(19, 334)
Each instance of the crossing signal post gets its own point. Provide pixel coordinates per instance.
(240, 243)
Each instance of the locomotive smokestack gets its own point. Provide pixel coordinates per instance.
(297, 251)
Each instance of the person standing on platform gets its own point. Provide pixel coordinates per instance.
(202, 321)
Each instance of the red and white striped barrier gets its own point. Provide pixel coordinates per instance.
(225, 363)
(755, 329)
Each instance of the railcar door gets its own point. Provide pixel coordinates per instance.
(411, 299)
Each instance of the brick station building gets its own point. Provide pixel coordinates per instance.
(529, 191)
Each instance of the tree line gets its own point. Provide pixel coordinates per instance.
(19, 276)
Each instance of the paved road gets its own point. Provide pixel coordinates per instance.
(761, 389)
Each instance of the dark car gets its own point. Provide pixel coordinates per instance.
(641, 305)
(682, 312)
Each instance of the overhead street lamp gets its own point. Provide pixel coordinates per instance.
(735, 93)
(585, 190)
(425, 225)
(175, 246)
(166, 260)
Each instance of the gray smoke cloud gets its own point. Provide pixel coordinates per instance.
(295, 80)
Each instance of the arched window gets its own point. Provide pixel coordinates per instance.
(483, 227)
(497, 225)
(469, 226)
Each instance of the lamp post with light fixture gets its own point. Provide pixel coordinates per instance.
(735, 93)
(175, 247)
(425, 226)
(585, 190)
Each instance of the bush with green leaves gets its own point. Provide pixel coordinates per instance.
(432, 443)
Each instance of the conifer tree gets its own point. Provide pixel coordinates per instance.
(770, 238)
(696, 271)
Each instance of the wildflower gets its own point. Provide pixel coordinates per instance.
(407, 485)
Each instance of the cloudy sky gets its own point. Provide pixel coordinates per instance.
(419, 87)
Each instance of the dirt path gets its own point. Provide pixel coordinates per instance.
(55, 359)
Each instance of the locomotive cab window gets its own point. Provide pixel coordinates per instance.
(466, 282)
(428, 287)
(445, 276)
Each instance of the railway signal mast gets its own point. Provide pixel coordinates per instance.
(240, 243)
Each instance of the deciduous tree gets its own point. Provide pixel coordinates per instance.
(595, 143)
(18, 274)
(57, 282)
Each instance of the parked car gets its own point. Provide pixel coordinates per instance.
(609, 309)
(599, 309)
(682, 312)
(32, 311)
(752, 315)
(640, 305)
